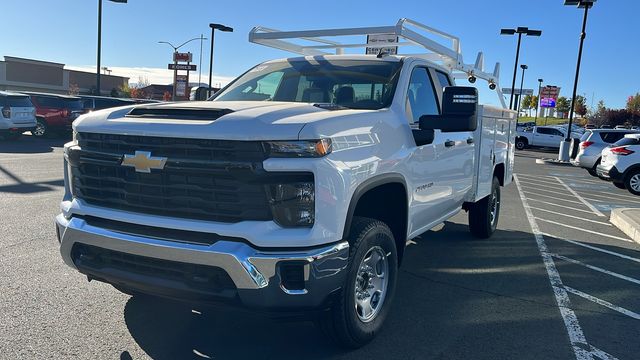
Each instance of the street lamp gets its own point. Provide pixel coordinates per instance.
(213, 28)
(100, 39)
(519, 30)
(582, 4)
(538, 101)
(175, 62)
(520, 98)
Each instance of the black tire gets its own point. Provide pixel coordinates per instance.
(619, 185)
(41, 129)
(343, 323)
(632, 182)
(484, 214)
(593, 171)
(521, 144)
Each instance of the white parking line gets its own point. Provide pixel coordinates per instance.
(545, 190)
(612, 201)
(562, 206)
(585, 230)
(588, 204)
(536, 180)
(603, 303)
(571, 216)
(576, 336)
(595, 268)
(613, 196)
(626, 257)
(551, 197)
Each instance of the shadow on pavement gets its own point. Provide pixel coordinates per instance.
(457, 297)
(32, 145)
(21, 187)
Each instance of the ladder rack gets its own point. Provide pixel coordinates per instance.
(409, 33)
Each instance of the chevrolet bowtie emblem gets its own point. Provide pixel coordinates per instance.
(143, 162)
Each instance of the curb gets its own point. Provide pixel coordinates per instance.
(553, 162)
(627, 220)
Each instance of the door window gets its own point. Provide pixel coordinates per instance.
(443, 78)
(421, 97)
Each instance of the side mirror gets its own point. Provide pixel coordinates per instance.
(459, 107)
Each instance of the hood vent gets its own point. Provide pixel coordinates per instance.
(177, 113)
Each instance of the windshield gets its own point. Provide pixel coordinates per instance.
(74, 104)
(355, 84)
(17, 101)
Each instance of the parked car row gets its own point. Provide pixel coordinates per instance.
(45, 114)
(544, 136)
(612, 155)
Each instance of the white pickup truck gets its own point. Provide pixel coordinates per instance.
(542, 136)
(295, 188)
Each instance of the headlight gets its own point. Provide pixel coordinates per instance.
(299, 148)
(293, 205)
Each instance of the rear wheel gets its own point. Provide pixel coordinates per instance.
(593, 171)
(484, 214)
(41, 129)
(632, 182)
(364, 302)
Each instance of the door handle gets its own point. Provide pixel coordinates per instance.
(449, 143)
(470, 141)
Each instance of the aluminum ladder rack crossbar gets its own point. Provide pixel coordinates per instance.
(409, 33)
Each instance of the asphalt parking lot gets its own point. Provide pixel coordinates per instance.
(556, 281)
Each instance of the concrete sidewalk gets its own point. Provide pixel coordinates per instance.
(627, 220)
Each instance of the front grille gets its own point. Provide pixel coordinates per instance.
(96, 260)
(210, 180)
(174, 148)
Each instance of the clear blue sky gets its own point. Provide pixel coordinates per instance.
(65, 31)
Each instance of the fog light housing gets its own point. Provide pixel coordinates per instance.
(293, 204)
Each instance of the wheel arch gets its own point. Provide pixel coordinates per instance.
(394, 213)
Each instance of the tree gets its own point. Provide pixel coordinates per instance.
(598, 117)
(114, 92)
(125, 91)
(633, 103)
(526, 103)
(166, 96)
(562, 105)
(580, 107)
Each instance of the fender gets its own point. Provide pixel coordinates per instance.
(388, 178)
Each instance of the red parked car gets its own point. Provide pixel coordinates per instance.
(55, 113)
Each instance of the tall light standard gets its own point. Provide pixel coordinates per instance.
(538, 100)
(213, 28)
(175, 62)
(520, 98)
(100, 40)
(520, 30)
(582, 4)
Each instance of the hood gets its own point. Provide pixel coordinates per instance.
(233, 120)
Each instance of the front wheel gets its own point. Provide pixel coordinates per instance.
(521, 144)
(41, 129)
(358, 314)
(484, 214)
(632, 182)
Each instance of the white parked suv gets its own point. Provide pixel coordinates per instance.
(18, 114)
(621, 163)
(295, 188)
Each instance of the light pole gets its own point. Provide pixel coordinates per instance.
(538, 101)
(520, 30)
(175, 63)
(202, 38)
(100, 40)
(213, 28)
(582, 4)
(520, 98)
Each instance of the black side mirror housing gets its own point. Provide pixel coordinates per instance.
(459, 108)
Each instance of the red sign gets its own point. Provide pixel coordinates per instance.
(185, 57)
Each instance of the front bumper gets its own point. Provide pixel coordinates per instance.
(261, 278)
(611, 174)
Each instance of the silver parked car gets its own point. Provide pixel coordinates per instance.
(592, 142)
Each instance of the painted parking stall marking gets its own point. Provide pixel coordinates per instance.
(580, 214)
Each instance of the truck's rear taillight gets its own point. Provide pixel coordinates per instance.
(586, 144)
(6, 112)
(65, 113)
(621, 150)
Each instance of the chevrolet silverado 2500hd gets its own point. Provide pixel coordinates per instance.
(296, 187)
